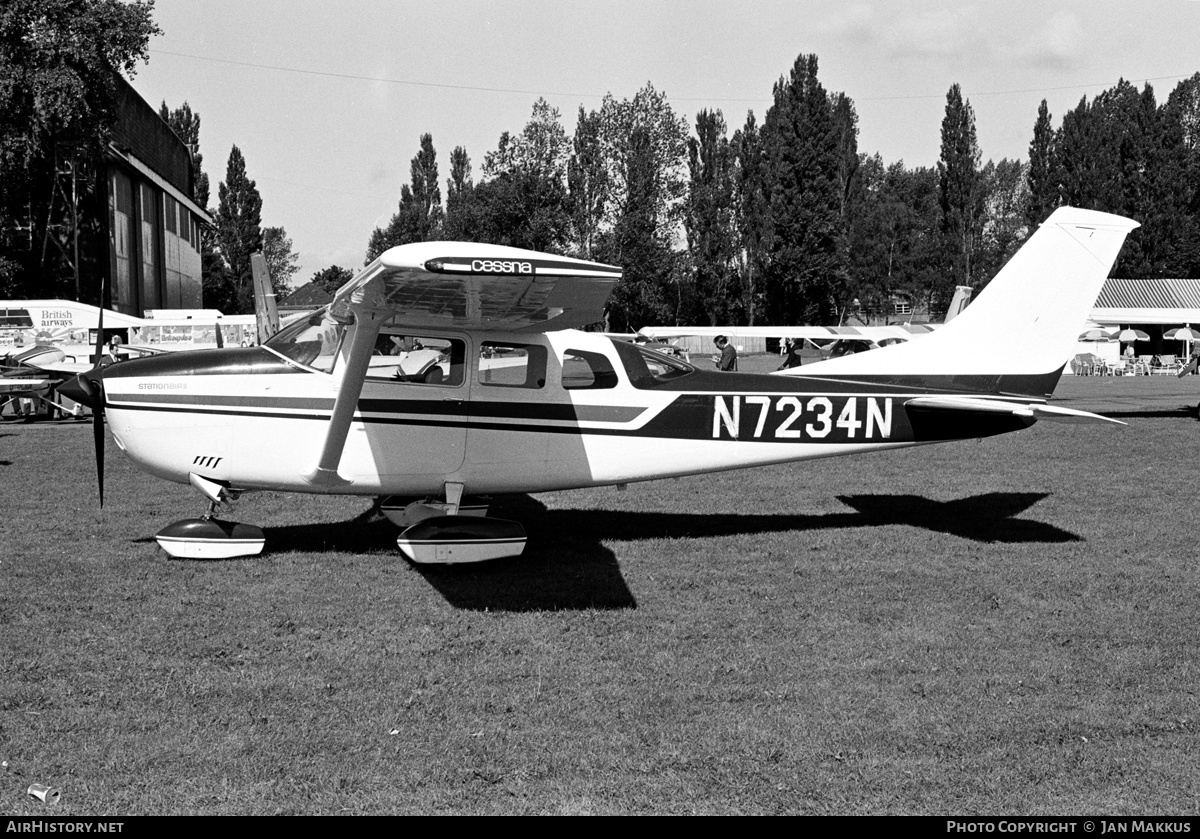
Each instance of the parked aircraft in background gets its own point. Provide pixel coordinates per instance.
(831, 341)
(511, 398)
(46, 342)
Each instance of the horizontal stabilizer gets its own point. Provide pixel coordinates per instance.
(973, 405)
(15, 385)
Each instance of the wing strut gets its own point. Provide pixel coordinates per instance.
(368, 310)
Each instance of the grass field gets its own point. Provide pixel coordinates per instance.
(1007, 626)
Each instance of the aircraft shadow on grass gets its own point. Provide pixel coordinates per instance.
(566, 564)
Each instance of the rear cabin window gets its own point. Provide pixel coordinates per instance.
(512, 365)
(583, 370)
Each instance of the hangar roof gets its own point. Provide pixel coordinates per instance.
(1166, 301)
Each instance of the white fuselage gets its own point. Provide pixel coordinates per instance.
(526, 412)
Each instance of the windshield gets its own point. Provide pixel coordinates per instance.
(312, 341)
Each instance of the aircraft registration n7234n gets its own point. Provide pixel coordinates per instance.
(445, 371)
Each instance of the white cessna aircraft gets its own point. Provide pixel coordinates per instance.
(446, 368)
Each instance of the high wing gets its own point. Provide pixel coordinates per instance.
(24, 384)
(472, 285)
(811, 333)
(452, 284)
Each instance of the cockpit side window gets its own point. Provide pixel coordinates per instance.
(646, 368)
(418, 359)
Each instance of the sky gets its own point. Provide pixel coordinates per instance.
(327, 101)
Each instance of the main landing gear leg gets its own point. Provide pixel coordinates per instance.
(211, 537)
(451, 532)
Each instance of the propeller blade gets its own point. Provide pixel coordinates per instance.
(98, 441)
(98, 407)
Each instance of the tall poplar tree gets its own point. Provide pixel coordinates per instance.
(752, 215)
(587, 183)
(806, 273)
(282, 261)
(1043, 175)
(186, 125)
(1180, 125)
(418, 217)
(460, 188)
(643, 296)
(961, 190)
(709, 219)
(238, 223)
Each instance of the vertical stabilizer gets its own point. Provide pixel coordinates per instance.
(962, 296)
(265, 312)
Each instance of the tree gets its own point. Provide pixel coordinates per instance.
(896, 245)
(661, 149)
(332, 278)
(961, 190)
(1043, 170)
(709, 219)
(587, 183)
(803, 145)
(459, 224)
(1113, 159)
(238, 223)
(523, 201)
(1180, 125)
(1004, 224)
(186, 126)
(644, 295)
(59, 61)
(541, 149)
(644, 147)
(752, 216)
(282, 261)
(419, 216)
(521, 210)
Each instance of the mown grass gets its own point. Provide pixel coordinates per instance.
(1000, 626)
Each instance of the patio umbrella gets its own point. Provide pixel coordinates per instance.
(1095, 335)
(1129, 335)
(1186, 334)
(1182, 333)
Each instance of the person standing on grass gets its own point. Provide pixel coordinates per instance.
(727, 360)
(792, 351)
